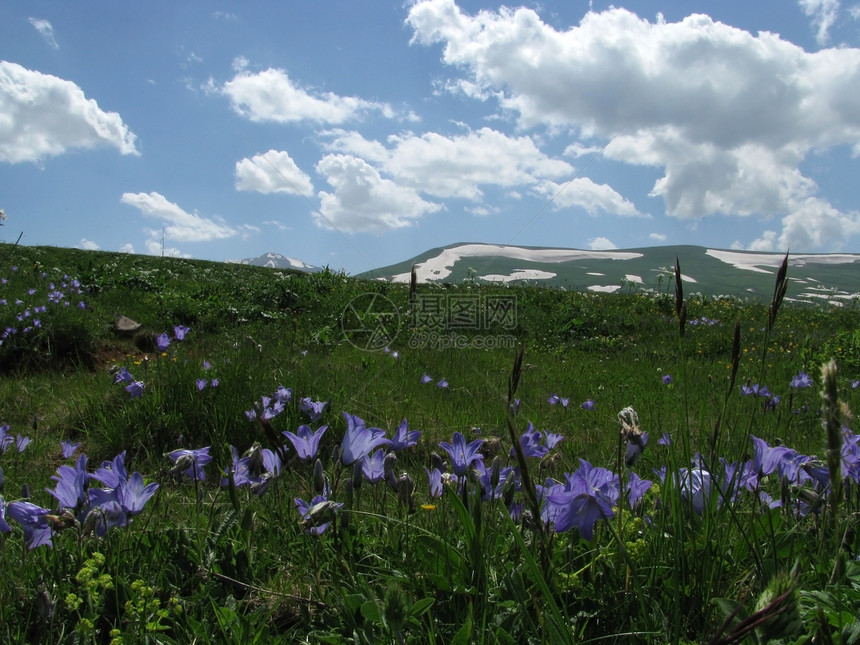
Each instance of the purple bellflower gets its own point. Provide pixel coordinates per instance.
(135, 389)
(5, 438)
(434, 477)
(162, 342)
(317, 514)
(314, 409)
(306, 441)
(587, 497)
(359, 440)
(404, 437)
(4, 526)
(801, 380)
(373, 467)
(37, 530)
(463, 456)
(190, 462)
(68, 448)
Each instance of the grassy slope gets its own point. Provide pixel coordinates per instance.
(253, 326)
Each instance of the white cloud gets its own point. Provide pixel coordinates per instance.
(271, 96)
(658, 237)
(43, 116)
(272, 172)
(823, 14)
(88, 245)
(585, 194)
(364, 201)
(46, 30)
(766, 243)
(126, 248)
(179, 225)
(278, 225)
(728, 116)
(456, 166)
(601, 244)
(155, 247)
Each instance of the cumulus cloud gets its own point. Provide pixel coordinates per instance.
(363, 200)
(272, 172)
(44, 116)
(46, 30)
(588, 195)
(272, 96)
(178, 225)
(601, 244)
(457, 166)
(727, 115)
(658, 237)
(88, 245)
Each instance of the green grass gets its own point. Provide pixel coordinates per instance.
(206, 562)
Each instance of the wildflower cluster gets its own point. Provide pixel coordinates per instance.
(134, 387)
(24, 310)
(80, 503)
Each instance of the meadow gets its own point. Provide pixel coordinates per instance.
(313, 458)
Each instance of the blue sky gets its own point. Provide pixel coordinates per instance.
(359, 134)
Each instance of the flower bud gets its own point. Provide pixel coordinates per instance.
(318, 477)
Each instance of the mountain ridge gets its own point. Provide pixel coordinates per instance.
(813, 277)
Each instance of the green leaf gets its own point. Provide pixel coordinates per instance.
(464, 634)
(420, 607)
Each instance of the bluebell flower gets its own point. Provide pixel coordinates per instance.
(587, 497)
(404, 437)
(135, 389)
(359, 440)
(5, 439)
(442, 384)
(314, 409)
(317, 514)
(588, 405)
(636, 488)
(123, 376)
(132, 494)
(306, 441)
(110, 473)
(464, 456)
(201, 384)
(667, 379)
(755, 390)
(426, 379)
(190, 462)
(801, 380)
(21, 443)
(373, 467)
(553, 399)
(70, 489)
(68, 448)
(434, 478)
(179, 332)
(531, 443)
(37, 530)
(105, 516)
(4, 526)
(162, 342)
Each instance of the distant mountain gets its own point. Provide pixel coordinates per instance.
(278, 261)
(812, 277)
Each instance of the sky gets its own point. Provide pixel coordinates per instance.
(356, 135)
